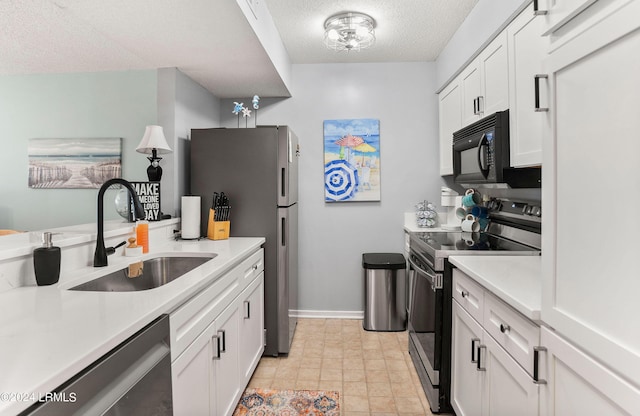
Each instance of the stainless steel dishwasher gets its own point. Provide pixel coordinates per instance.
(132, 379)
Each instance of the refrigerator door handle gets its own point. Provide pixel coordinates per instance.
(283, 239)
(283, 183)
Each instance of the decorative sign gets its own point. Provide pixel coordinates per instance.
(149, 195)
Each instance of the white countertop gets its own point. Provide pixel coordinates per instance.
(48, 333)
(514, 279)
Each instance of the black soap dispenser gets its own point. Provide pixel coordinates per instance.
(46, 262)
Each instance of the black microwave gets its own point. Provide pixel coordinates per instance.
(481, 150)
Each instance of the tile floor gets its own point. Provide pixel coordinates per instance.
(372, 370)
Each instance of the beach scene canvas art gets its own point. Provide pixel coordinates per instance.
(73, 163)
(352, 160)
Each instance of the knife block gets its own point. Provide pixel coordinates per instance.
(217, 230)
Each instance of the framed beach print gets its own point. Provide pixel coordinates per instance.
(73, 163)
(352, 160)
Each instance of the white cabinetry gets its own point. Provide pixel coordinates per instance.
(485, 82)
(579, 385)
(590, 275)
(527, 49)
(492, 373)
(217, 341)
(450, 117)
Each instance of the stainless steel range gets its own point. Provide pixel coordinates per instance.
(514, 229)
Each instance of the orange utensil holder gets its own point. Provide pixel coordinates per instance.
(217, 230)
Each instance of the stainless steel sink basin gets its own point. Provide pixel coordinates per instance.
(156, 272)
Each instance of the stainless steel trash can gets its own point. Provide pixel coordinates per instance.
(384, 292)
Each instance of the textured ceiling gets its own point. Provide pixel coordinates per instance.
(209, 40)
(406, 30)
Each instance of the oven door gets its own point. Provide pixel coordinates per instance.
(426, 315)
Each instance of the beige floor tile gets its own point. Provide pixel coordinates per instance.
(355, 388)
(354, 375)
(283, 384)
(307, 384)
(398, 376)
(377, 376)
(353, 364)
(403, 389)
(331, 364)
(309, 374)
(260, 383)
(396, 365)
(379, 389)
(356, 403)
(374, 364)
(382, 404)
(330, 385)
(409, 405)
(331, 374)
(265, 372)
(372, 371)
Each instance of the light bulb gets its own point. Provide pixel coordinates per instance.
(333, 34)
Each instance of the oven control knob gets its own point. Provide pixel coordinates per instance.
(527, 209)
(537, 211)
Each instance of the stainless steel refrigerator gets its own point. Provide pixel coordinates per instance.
(257, 168)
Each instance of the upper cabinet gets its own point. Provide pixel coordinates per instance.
(590, 279)
(527, 49)
(485, 82)
(450, 115)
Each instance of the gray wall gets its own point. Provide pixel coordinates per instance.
(107, 104)
(333, 236)
(183, 104)
(86, 105)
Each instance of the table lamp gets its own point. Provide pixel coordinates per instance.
(154, 143)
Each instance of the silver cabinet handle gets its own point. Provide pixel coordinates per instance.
(504, 328)
(247, 309)
(473, 350)
(217, 354)
(536, 86)
(479, 367)
(537, 11)
(223, 336)
(464, 293)
(536, 362)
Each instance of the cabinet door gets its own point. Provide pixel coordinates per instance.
(467, 382)
(590, 275)
(579, 385)
(494, 71)
(191, 375)
(226, 377)
(509, 389)
(559, 12)
(471, 90)
(526, 53)
(251, 328)
(450, 115)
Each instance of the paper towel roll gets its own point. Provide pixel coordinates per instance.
(190, 217)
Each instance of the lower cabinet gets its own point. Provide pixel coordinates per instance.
(211, 373)
(486, 380)
(579, 385)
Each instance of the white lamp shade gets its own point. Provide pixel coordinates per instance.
(153, 139)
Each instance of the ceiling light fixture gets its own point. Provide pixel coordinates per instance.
(349, 31)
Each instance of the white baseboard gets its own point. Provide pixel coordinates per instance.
(328, 314)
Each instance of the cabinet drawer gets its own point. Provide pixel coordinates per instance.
(469, 294)
(188, 321)
(515, 333)
(252, 267)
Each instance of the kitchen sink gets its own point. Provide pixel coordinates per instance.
(156, 271)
